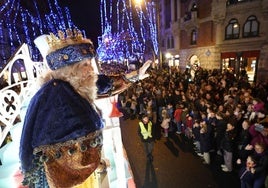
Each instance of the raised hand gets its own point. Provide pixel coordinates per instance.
(143, 69)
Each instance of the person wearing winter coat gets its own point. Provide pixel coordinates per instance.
(228, 145)
(165, 121)
(177, 117)
(260, 171)
(220, 127)
(246, 174)
(243, 140)
(259, 133)
(196, 136)
(205, 142)
(146, 133)
(189, 126)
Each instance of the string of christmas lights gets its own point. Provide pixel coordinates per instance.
(20, 25)
(127, 32)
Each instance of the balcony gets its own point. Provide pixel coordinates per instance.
(189, 21)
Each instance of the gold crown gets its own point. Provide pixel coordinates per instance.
(72, 37)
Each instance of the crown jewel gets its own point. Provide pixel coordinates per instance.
(69, 37)
(67, 48)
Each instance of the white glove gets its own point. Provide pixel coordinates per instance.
(143, 69)
(140, 74)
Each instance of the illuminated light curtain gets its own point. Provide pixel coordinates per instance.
(151, 12)
(142, 27)
(23, 26)
(112, 45)
(39, 22)
(126, 30)
(69, 19)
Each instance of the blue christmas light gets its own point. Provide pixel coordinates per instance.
(39, 22)
(22, 26)
(124, 37)
(68, 18)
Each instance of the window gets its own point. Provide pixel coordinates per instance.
(175, 11)
(232, 30)
(251, 27)
(171, 42)
(193, 37)
(163, 44)
(167, 13)
(168, 43)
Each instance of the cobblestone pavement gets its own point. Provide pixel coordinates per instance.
(175, 164)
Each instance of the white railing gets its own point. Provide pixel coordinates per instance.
(13, 96)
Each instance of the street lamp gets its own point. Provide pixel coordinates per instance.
(138, 2)
(170, 59)
(168, 55)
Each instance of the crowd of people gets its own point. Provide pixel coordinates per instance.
(218, 111)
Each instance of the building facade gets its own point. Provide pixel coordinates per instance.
(216, 34)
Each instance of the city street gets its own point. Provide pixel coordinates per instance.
(175, 164)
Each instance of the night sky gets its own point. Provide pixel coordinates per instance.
(86, 16)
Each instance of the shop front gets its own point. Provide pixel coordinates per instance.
(241, 62)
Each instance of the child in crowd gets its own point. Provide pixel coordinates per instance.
(184, 114)
(177, 117)
(170, 112)
(165, 121)
(189, 126)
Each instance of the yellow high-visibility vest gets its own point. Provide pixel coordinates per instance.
(146, 133)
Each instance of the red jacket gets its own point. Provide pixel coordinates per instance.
(177, 114)
(189, 123)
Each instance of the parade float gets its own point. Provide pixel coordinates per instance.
(14, 99)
